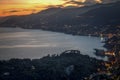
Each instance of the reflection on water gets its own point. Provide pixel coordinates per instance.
(27, 46)
(102, 38)
(19, 43)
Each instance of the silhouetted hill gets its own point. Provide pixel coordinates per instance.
(95, 19)
(104, 15)
(66, 66)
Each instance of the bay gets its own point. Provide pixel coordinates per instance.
(24, 43)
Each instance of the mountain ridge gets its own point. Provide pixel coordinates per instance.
(86, 20)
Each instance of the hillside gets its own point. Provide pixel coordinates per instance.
(66, 66)
(95, 19)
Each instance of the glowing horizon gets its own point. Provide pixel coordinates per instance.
(24, 7)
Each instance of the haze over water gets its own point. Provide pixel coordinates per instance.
(21, 43)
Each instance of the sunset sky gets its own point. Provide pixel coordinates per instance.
(23, 7)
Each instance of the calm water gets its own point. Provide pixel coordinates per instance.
(20, 43)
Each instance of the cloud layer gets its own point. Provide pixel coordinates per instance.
(87, 2)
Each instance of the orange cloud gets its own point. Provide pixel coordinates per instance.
(8, 9)
(99, 1)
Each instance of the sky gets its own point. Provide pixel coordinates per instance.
(25, 7)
